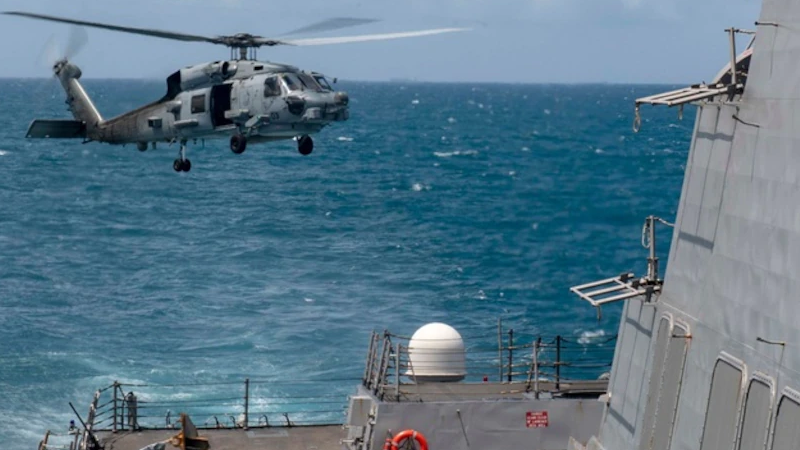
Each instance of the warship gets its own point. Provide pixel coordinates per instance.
(704, 359)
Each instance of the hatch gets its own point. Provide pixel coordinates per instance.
(220, 102)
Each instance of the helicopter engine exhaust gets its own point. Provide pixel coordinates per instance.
(206, 74)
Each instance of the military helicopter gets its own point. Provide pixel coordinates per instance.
(243, 99)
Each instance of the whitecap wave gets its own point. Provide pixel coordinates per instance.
(588, 337)
(3, 152)
(344, 139)
(417, 187)
(455, 153)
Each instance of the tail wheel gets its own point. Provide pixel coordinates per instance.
(238, 143)
(305, 145)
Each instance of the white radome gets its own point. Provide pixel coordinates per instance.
(436, 354)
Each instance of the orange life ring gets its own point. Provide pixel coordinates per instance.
(409, 434)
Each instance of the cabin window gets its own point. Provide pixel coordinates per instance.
(723, 407)
(753, 434)
(271, 87)
(657, 371)
(787, 419)
(670, 387)
(198, 104)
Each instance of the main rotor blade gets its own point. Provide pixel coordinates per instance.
(369, 37)
(144, 31)
(335, 23)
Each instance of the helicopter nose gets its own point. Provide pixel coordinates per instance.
(341, 98)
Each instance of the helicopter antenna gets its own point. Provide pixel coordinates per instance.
(247, 44)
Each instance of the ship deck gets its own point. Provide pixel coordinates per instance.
(317, 437)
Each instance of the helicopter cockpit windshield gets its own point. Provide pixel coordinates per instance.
(290, 82)
(300, 82)
(309, 83)
(323, 83)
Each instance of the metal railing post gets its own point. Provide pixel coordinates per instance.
(370, 357)
(114, 420)
(536, 347)
(558, 363)
(500, 347)
(246, 402)
(510, 354)
(397, 372)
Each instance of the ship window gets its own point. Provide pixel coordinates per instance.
(756, 416)
(723, 404)
(659, 357)
(198, 104)
(271, 87)
(787, 431)
(670, 387)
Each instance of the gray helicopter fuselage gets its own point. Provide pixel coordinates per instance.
(260, 100)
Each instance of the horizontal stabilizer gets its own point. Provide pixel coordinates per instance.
(56, 129)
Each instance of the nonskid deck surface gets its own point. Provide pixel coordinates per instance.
(318, 437)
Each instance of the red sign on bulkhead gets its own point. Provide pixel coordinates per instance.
(536, 419)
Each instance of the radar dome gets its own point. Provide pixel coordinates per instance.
(436, 354)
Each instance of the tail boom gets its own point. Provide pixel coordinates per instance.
(78, 100)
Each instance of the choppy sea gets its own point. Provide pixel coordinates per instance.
(461, 203)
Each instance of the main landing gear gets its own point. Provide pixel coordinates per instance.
(305, 145)
(238, 143)
(182, 164)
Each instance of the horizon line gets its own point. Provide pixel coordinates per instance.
(390, 81)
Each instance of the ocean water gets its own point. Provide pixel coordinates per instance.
(459, 203)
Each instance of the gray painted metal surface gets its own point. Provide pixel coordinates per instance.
(733, 275)
(497, 425)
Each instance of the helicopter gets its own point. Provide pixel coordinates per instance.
(242, 99)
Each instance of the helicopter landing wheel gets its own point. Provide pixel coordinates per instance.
(238, 143)
(182, 165)
(305, 145)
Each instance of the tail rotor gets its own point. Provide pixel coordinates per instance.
(53, 53)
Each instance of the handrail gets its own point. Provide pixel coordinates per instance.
(524, 361)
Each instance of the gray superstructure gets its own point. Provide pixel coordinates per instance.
(712, 362)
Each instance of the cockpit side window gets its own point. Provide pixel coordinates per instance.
(309, 83)
(271, 87)
(323, 82)
(291, 82)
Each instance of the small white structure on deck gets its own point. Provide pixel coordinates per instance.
(436, 354)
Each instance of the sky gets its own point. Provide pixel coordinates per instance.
(518, 41)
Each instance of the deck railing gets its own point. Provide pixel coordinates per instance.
(521, 360)
(542, 364)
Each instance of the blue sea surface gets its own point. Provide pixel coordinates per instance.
(461, 203)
